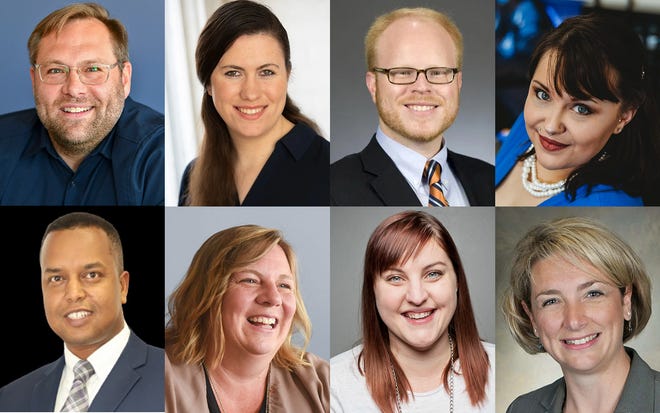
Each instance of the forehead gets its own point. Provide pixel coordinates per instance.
(75, 241)
(79, 36)
(260, 47)
(564, 271)
(409, 36)
(274, 262)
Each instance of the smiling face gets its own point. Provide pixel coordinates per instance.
(422, 111)
(258, 306)
(578, 315)
(249, 86)
(566, 132)
(82, 287)
(78, 116)
(416, 300)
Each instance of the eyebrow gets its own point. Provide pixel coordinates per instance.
(260, 275)
(581, 287)
(435, 264)
(235, 67)
(91, 265)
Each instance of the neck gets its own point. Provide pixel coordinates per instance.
(598, 391)
(423, 368)
(550, 176)
(426, 148)
(254, 148)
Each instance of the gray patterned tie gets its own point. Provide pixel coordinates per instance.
(77, 400)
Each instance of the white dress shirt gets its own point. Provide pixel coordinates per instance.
(103, 360)
(411, 165)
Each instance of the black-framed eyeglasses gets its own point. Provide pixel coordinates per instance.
(409, 75)
(89, 74)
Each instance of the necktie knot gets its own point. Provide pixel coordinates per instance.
(82, 371)
(432, 177)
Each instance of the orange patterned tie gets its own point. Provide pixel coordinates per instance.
(431, 176)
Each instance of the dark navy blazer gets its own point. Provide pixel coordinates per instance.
(135, 383)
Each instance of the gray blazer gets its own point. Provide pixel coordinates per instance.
(641, 393)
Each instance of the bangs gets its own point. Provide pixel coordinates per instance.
(583, 82)
(396, 246)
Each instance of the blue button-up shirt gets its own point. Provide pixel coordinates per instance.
(126, 168)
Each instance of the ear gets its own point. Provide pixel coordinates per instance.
(32, 74)
(624, 118)
(459, 80)
(123, 283)
(370, 79)
(627, 303)
(126, 74)
(530, 315)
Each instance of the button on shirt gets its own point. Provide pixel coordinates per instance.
(411, 165)
(103, 360)
(126, 168)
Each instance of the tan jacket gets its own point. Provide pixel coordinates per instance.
(305, 389)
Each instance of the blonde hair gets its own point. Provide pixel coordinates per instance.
(578, 240)
(56, 21)
(194, 333)
(384, 21)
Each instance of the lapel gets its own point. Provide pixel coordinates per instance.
(387, 182)
(44, 392)
(122, 377)
(471, 186)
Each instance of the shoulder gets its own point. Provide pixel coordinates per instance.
(599, 195)
(15, 130)
(303, 142)
(139, 123)
(305, 388)
(318, 368)
(185, 387)
(20, 391)
(490, 350)
(476, 165)
(538, 400)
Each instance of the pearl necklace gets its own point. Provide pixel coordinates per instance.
(451, 381)
(533, 185)
(216, 393)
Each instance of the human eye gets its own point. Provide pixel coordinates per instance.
(285, 285)
(267, 73)
(232, 73)
(434, 275)
(55, 279)
(94, 68)
(549, 301)
(248, 280)
(393, 278)
(91, 275)
(595, 294)
(541, 94)
(55, 69)
(582, 109)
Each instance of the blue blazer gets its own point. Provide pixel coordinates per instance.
(600, 195)
(135, 384)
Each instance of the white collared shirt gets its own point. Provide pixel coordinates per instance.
(411, 165)
(103, 360)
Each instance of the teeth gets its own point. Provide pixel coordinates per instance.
(78, 315)
(250, 111)
(420, 108)
(263, 320)
(76, 110)
(417, 316)
(582, 340)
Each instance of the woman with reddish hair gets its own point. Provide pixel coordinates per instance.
(420, 346)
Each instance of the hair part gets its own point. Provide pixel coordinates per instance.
(598, 57)
(578, 241)
(212, 176)
(76, 220)
(55, 22)
(384, 21)
(393, 242)
(194, 334)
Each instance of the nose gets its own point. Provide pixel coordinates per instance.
(553, 122)
(250, 88)
(421, 84)
(74, 290)
(416, 293)
(574, 316)
(269, 295)
(72, 85)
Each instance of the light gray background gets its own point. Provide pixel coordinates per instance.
(519, 372)
(473, 232)
(354, 117)
(306, 229)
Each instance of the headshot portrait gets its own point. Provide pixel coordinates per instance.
(412, 299)
(247, 322)
(249, 95)
(577, 284)
(84, 125)
(411, 104)
(568, 137)
(88, 291)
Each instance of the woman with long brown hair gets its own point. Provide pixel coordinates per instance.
(258, 148)
(420, 346)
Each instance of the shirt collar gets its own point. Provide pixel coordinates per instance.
(104, 358)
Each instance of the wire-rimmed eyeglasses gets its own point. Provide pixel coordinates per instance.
(409, 75)
(89, 74)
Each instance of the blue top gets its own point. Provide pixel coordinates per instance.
(601, 195)
(126, 168)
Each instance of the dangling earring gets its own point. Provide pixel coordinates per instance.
(630, 329)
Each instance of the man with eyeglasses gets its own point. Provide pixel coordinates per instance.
(86, 142)
(414, 60)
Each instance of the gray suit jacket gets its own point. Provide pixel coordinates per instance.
(641, 393)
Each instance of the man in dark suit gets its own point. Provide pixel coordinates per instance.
(105, 366)
(414, 59)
